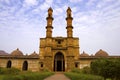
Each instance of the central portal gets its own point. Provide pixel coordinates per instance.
(59, 62)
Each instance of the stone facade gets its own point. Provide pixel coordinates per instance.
(51, 47)
(55, 53)
(22, 63)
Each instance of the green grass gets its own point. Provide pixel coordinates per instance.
(16, 74)
(81, 76)
(26, 76)
(1, 77)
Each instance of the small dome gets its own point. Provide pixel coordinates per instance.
(101, 53)
(34, 54)
(17, 52)
(84, 54)
(3, 52)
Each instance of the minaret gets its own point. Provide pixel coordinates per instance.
(69, 23)
(49, 23)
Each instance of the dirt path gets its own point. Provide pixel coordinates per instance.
(57, 76)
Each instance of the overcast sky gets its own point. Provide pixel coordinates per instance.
(95, 22)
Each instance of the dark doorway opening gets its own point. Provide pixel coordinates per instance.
(59, 62)
(59, 65)
(25, 66)
(9, 64)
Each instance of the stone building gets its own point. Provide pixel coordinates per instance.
(18, 60)
(59, 53)
(55, 53)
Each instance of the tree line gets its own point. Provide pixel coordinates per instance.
(108, 68)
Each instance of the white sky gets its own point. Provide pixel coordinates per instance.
(95, 22)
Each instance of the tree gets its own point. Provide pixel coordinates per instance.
(117, 69)
(108, 68)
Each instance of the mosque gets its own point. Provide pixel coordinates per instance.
(55, 53)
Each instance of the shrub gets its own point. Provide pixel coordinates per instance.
(9, 70)
(1, 70)
(76, 70)
(46, 70)
(86, 70)
(108, 68)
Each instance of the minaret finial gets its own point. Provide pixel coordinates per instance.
(50, 9)
(17, 49)
(69, 9)
(69, 12)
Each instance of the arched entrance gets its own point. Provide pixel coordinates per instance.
(59, 62)
(9, 63)
(25, 66)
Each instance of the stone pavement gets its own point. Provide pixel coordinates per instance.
(57, 76)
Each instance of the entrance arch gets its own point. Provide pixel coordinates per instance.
(25, 66)
(9, 64)
(59, 62)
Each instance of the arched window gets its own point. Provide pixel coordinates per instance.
(42, 65)
(25, 66)
(9, 64)
(76, 65)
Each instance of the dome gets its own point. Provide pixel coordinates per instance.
(101, 53)
(34, 54)
(84, 54)
(3, 52)
(17, 52)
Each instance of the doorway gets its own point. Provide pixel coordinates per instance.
(9, 63)
(59, 62)
(25, 66)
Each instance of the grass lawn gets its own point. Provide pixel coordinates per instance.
(27, 76)
(81, 76)
(1, 77)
